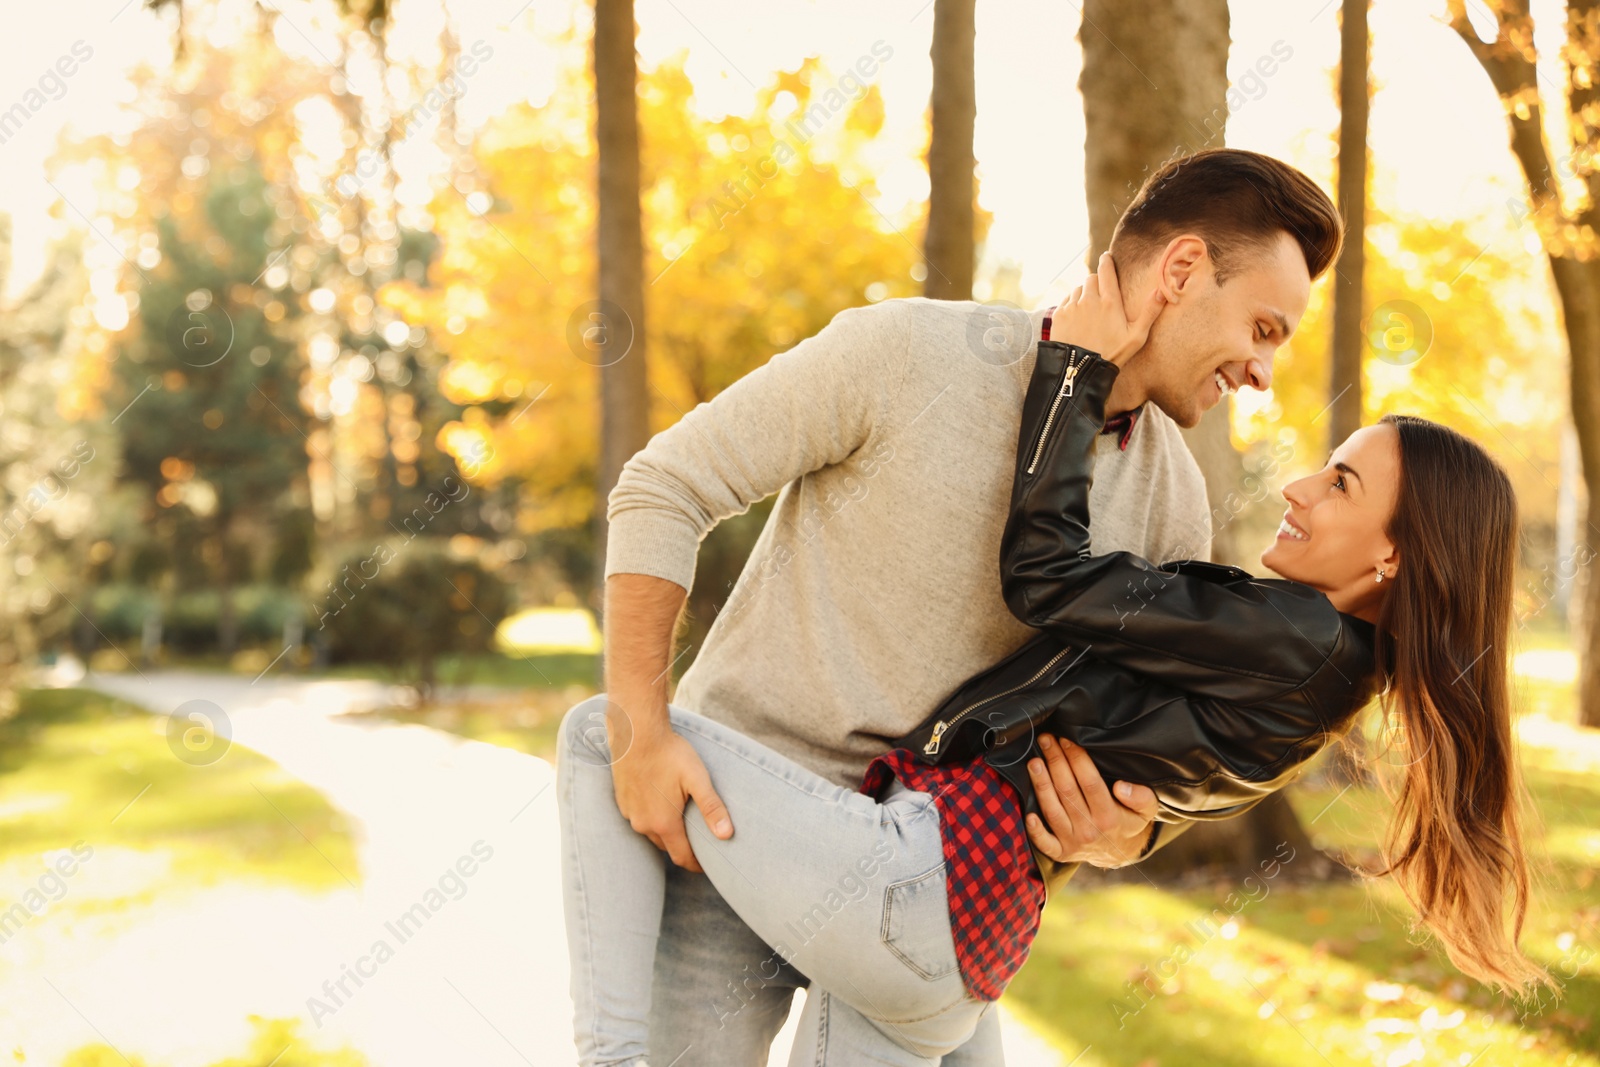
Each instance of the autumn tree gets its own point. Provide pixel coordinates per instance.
(200, 367)
(760, 228)
(614, 331)
(213, 428)
(1166, 61)
(54, 467)
(372, 384)
(949, 246)
(1349, 341)
(1564, 207)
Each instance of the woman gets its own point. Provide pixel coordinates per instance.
(912, 903)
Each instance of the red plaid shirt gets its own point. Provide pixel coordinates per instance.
(995, 890)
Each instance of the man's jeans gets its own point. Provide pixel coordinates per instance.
(706, 948)
(848, 887)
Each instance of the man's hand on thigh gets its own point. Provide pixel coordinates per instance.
(1086, 823)
(657, 774)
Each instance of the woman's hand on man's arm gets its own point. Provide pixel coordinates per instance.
(1083, 822)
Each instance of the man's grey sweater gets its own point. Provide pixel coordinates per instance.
(873, 591)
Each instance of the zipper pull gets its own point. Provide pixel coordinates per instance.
(1066, 385)
(936, 740)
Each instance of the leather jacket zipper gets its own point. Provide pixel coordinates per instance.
(1055, 407)
(939, 728)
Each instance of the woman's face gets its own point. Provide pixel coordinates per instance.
(1332, 535)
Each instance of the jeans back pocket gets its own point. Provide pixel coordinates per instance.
(916, 924)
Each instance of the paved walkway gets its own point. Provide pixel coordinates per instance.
(483, 981)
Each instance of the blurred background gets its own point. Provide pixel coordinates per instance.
(328, 325)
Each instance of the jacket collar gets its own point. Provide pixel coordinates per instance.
(1122, 424)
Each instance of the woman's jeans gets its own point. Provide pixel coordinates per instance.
(848, 889)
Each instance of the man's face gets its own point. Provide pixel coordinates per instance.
(1231, 331)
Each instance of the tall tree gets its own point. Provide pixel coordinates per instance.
(949, 244)
(55, 467)
(205, 371)
(1344, 411)
(213, 431)
(803, 232)
(1166, 62)
(1349, 283)
(372, 382)
(1568, 226)
(615, 331)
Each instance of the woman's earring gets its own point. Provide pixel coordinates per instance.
(1380, 574)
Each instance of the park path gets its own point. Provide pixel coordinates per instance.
(483, 982)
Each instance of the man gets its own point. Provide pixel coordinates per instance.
(873, 590)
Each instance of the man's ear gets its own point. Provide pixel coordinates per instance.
(1181, 265)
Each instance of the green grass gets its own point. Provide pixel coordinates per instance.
(526, 720)
(1129, 971)
(1325, 966)
(277, 1043)
(544, 670)
(76, 765)
(547, 671)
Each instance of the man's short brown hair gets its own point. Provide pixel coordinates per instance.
(1237, 202)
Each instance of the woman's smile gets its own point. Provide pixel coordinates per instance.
(1289, 530)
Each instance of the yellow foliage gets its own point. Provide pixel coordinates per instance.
(758, 230)
(1495, 367)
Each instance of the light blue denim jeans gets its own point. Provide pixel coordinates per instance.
(847, 890)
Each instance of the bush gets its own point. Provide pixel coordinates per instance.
(119, 611)
(406, 604)
(263, 610)
(189, 621)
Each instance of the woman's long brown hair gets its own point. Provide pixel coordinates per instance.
(1454, 844)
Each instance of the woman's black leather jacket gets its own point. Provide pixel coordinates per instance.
(1198, 680)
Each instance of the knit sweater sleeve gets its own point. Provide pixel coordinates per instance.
(805, 409)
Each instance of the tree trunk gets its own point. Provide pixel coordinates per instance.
(1569, 238)
(1344, 387)
(1348, 344)
(1240, 845)
(1161, 90)
(1580, 304)
(619, 322)
(227, 618)
(1211, 443)
(948, 246)
(1165, 62)
(227, 610)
